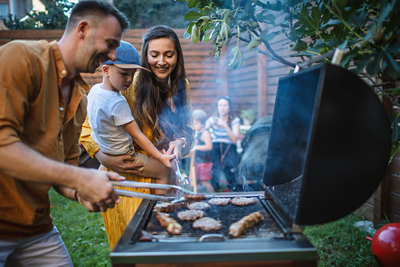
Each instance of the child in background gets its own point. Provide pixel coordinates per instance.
(111, 119)
(203, 147)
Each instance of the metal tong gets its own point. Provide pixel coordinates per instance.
(151, 186)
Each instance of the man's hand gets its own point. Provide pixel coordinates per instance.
(94, 186)
(118, 163)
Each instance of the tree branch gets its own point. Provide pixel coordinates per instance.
(272, 55)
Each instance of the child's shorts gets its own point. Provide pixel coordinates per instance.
(203, 171)
(139, 158)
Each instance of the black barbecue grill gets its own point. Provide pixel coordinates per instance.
(328, 151)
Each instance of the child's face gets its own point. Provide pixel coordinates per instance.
(197, 125)
(120, 79)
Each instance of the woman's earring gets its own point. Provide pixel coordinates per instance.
(169, 81)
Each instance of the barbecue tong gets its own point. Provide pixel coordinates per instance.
(151, 186)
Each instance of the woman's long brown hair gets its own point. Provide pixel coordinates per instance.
(151, 106)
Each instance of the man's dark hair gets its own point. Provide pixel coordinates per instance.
(85, 9)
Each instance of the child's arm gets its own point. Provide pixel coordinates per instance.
(133, 130)
(206, 138)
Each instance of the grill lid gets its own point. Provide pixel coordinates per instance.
(329, 144)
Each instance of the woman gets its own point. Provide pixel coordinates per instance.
(160, 104)
(225, 133)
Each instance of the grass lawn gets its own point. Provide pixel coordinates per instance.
(338, 243)
(82, 232)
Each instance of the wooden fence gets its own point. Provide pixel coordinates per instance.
(253, 86)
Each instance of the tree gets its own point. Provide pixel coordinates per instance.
(52, 18)
(146, 13)
(367, 30)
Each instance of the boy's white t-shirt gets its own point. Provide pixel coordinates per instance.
(107, 111)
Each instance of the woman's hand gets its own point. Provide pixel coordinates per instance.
(221, 123)
(175, 147)
(118, 163)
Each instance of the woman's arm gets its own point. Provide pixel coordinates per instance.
(206, 138)
(115, 163)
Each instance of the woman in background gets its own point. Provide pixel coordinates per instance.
(225, 133)
(160, 104)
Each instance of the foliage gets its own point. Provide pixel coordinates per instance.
(341, 244)
(248, 114)
(83, 232)
(367, 30)
(53, 18)
(146, 13)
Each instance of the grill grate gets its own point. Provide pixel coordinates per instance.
(229, 214)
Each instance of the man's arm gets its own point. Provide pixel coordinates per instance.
(93, 185)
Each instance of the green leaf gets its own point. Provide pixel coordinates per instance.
(313, 22)
(395, 127)
(331, 23)
(189, 29)
(373, 67)
(362, 63)
(343, 45)
(268, 36)
(392, 24)
(207, 37)
(371, 31)
(348, 56)
(393, 67)
(192, 15)
(385, 12)
(254, 43)
(394, 150)
(192, 3)
(237, 59)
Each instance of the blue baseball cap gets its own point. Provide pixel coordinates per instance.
(127, 57)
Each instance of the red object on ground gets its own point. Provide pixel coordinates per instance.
(385, 245)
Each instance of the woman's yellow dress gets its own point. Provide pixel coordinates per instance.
(116, 220)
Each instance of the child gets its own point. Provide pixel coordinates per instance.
(203, 147)
(111, 119)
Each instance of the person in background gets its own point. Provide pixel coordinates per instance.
(203, 147)
(111, 119)
(43, 106)
(160, 103)
(225, 133)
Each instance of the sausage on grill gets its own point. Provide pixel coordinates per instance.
(237, 228)
(173, 227)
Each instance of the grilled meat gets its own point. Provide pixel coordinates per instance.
(169, 207)
(173, 227)
(220, 201)
(190, 215)
(207, 224)
(195, 197)
(243, 201)
(237, 228)
(199, 206)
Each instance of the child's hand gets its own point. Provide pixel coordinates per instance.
(166, 158)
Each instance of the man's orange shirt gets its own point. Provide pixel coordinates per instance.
(32, 111)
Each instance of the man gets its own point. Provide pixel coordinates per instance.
(42, 107)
